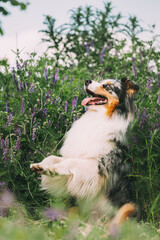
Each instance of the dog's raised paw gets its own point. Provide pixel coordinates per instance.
(37, 168)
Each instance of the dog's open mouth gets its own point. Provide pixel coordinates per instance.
(95, 100)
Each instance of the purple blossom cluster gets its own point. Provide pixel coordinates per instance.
(17, 147)
(31, 89)
(149, 84)
(5, 149)
(48, 96)
(34, 130)
(134, 68)
(55, 77)
(65, 107)
(22, 106)
(144, 118)
(7, 106)
(15, 80)
(9, 119)
(54, 214)
(6, 202)
(34, 114)
(74, 103)
(102, 54)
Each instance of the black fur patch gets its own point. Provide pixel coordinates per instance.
(114, 165)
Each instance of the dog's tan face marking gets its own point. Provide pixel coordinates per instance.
(112, 101)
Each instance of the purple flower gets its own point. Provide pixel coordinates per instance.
(55, 77)
(74, 103)
(15, 80)
(144, 118)
(34, 113)
(102, 54)
(49, 122)
(17, 131)
(34, 131)
(7, 106)
(2, 185)
(133, 68)
(48, 95)
(2, 143)
(75, 118)
(54, 214)
(158, 100)
(31, 89)
(45, 112)
(71, 80)
(134, 138)
(9, 118)
(17, 147)
(149, 84)
(6, 202)
(65, 107)
(46, 74)
(22, 106)
(87, 48)
(92, 43)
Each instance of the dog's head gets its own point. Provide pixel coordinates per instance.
(122, 90)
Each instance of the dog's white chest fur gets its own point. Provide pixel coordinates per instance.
(91, 136)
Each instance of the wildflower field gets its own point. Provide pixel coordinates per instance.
(41, 97)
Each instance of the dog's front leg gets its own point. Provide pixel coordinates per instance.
(47, 165)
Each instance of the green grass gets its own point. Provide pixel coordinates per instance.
(27, 229)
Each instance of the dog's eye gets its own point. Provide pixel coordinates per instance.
(107, 86)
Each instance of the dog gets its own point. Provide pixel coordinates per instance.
(93, 167)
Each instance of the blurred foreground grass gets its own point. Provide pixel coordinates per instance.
(18, 227)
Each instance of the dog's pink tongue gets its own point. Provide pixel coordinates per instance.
(86, 100)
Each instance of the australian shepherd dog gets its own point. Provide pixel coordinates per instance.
(93, 166)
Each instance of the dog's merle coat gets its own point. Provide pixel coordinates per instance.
(114, 164)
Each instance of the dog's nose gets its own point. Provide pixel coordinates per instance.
(87, 82)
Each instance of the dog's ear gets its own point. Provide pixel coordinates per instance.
(131, 86)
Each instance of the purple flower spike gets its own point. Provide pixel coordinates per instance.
(7, 106)
(15, 80)
(149, 84)
(2, 185)
(34, 113)
(92, 43)
(74, 103)
(133, 68)
(2, 143)
(55, 77)
(65, 107)
(102, 54)
(46, 74)
(31, 89)
(144, 118)
(17, 147)
(22, 106)
(87, 48)
(54, 214)
(158, 100)
(9, 118)
(34, 131)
